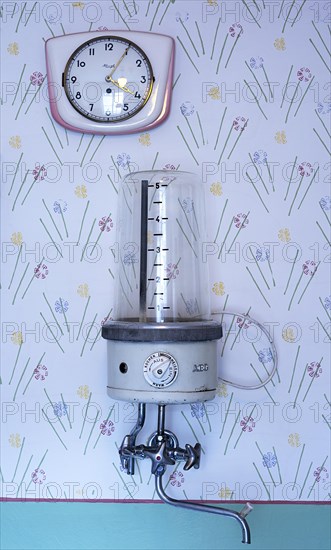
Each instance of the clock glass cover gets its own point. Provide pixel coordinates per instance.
(108, 79)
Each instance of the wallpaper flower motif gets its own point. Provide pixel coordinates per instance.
(314, 369)
(123, 160)
(83, 391)
(265, 355)
(321, 474)
(262, 254)
(83, 290)
(145, 139)
(214, 93)
(107, 427)
(60, 206)
(294, 440)
(60, 409)
(61, 306)
(216, 189)
(172, 271)
(247, 423)
(40, 372)
(41, 271)
(269, 460)
(221, 389)
(325, 202)
(239, 123)
(17, 238)
(280, 44)
(36, 78)
(225, 493)
(106, 224)
(15, 440)
(198, 410)
(289, 335)
(38, 476)
(177, 479)
(241, 220)
(309, 267)
(187, 108)
(17, 338)
(188, 205)
(324, 108)
(304, 74)
(243, 322)
(284, 235)
(280, 137)
(15, 142)
(13, 48)
(218, 288)
(235, 30)
(256, 62)
(81, 191)
(305, 169)
(39, 172)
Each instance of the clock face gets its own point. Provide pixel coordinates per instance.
(108, 79)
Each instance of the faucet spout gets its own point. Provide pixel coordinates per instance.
(246, 536)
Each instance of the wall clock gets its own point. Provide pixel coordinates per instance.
(110, 82)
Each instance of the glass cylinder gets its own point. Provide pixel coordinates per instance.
(162, 274)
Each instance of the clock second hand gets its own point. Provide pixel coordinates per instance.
(109, 77)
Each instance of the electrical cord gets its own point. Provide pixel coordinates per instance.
(272, 345)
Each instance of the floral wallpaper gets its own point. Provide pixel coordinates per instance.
(251, 115)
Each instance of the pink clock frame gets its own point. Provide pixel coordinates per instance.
(159, 49)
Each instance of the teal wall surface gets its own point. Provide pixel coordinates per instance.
(87, 526)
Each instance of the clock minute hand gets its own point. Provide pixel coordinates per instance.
(108, 77)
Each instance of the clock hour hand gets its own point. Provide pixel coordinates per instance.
(124, 88)
(108, 78)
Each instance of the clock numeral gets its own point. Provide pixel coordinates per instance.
(138, 62)
(91, 107)
(91, 51)
(143, 79)
(78, 95)
(126, 107)
(137, 95)
(109, 46)
(73, 79)
(80, 63)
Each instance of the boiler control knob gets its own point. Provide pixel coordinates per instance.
(160, 369)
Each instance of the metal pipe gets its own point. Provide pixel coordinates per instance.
(160, 420)
(134, 432)
(140, 421)
(206, 508)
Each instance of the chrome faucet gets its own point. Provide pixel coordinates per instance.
(163, 450)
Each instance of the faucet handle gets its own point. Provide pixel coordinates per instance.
(193, 456)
